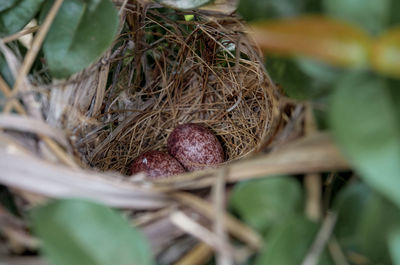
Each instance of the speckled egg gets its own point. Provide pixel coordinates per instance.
(156, 165)
(195, 147)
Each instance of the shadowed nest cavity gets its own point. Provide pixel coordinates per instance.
(168, 71)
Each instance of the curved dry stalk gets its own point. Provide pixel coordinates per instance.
(312, 154)
(27, 124)
(31, 174)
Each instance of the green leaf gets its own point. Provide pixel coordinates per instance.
(82, 232)
(372, 15)
(365, 222)
(350, 203)
(4, 4)
(289, 242)
(301, 78)
(395, 14)
(80, 33)
(14, 19)
(394, 245)
(184, 4)
(366, 126)
(265, 202)
(263, 9)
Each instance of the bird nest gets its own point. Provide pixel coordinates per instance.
(78, 137)
(168, 70)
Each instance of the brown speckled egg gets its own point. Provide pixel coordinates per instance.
(156, 165)
(195, 146)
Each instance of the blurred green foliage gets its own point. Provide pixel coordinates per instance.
(82, 232)
(289, 242)
(80, 33)
(264, 197)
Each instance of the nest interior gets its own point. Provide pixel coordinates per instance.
(167, 70)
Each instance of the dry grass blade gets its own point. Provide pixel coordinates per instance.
(315, 153)
(18, 35)
(7, 92)
(313, 186)
(27, 124)
(199, 255)
(312, 182)
(234, 226)
(195, 229)
(161, 233)
(27, 173)
(321, 240)
(336, 252)
(23, 261)
(219, 208)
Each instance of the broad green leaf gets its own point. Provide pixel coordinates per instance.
(80, 33)
(82, 232)
(319, 70)
(350, 203)
(370, 14)
(4, 4)
(365, 124)
(265, 202)
(386, 54)
(331, 41)
(365, 222)
(264, 9)
(289, 242)
(394, 246)
(184, 4)
(302, 78)
(16, 18)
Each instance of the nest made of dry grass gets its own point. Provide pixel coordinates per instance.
(162, 71)
(170, 71)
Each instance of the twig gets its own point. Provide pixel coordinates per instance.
(312, 182)
(199, 255)
(6, 91)
(193, 228)
(336, 252)
(235, 227)
(321, 240)
(18, 35)
(223, 258)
